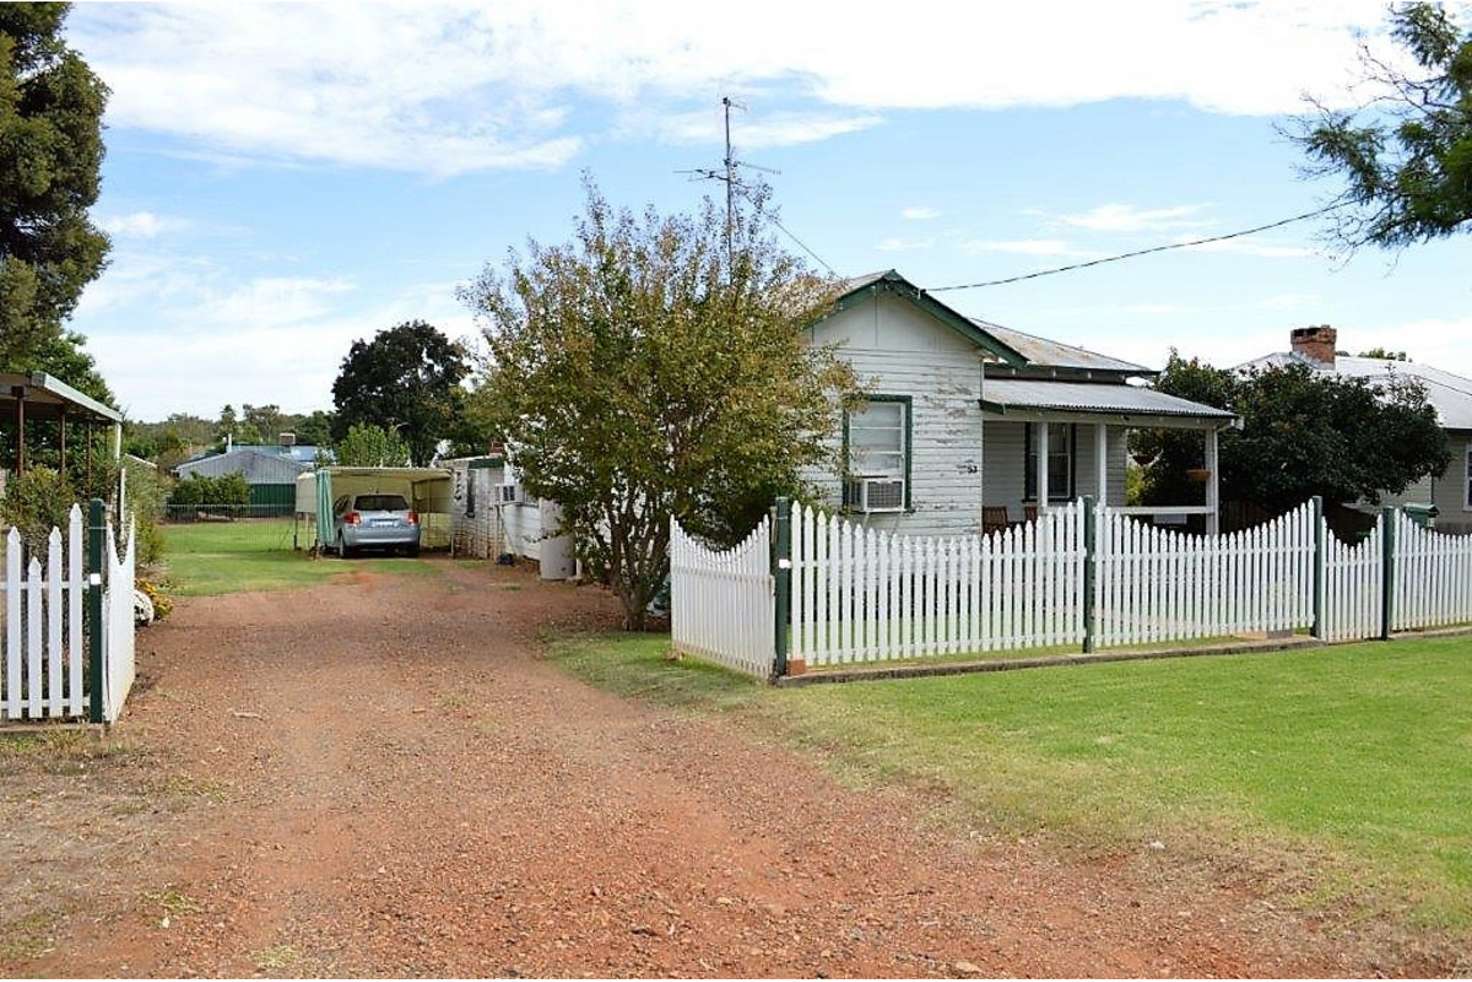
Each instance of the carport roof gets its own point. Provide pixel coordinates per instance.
(49, 398)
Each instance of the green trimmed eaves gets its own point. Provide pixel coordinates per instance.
(893, 282)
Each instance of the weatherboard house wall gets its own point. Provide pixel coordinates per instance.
(898, 349)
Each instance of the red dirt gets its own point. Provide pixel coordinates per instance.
(421, 795)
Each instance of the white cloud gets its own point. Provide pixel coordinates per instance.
(754, 132)
(919, 214)
(903, 245)
(448, 88)
(1128, 218)
(1024, 247)
(140, 224)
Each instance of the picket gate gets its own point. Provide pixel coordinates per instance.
(1155, 584)
(1432, 579)
(721, 602)
(863, 595)
(43, 652)
(118, 624)
(1353, 605)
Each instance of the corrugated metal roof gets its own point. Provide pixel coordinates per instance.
(1046, 353)
(1450, 395)
(258, 466)
(1092, 397)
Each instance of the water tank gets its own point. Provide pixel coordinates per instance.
(557, 561)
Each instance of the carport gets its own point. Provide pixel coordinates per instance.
(427, 489)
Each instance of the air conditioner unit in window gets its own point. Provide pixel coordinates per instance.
(509, 494)
(875, 494)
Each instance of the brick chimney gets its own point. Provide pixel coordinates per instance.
(1315, 343)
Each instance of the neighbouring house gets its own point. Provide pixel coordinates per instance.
(1450, 395)
(491, 515)
(270, 470)
(970, 426)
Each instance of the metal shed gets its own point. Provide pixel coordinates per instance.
(427, 489)
(271, 475)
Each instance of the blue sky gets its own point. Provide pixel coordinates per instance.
(282, 180)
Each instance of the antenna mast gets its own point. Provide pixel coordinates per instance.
(729, 175)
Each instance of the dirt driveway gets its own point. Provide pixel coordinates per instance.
(380, 777)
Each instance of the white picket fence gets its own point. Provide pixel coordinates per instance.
(1432, 580)
(721, 603)
(1156, 584)
(45, 652)
(1353, 580)
(117, 624)
(861, 594)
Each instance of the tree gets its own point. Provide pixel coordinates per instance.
(1407, 154)
(372, 446)
(406, 379)
(314, 429)
(1384, 354)
(1303, 433)
(637, 373)
(50, 157)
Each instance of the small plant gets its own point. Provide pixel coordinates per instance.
(163, 603)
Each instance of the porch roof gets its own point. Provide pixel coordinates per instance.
(1024, 399)
(49, 398)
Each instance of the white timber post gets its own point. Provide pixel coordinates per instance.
(1042, 448)
(1213, 485)
(1101, 462)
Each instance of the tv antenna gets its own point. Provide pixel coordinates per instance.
(728, 172)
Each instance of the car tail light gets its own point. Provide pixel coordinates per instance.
(413, 518)
(352, 518)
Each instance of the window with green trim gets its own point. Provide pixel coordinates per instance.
(877, 441)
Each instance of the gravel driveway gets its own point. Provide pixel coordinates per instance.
(381, 777)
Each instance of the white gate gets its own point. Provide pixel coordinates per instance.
(721, 603)
(1353, 580)
(117, 624)
(43, 654)
(1156, 584)
(1433, 577)
(861, 594)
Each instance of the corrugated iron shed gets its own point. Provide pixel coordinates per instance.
(257, 465)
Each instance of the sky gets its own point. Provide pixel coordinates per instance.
(282, 180)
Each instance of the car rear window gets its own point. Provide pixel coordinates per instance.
(382, 502)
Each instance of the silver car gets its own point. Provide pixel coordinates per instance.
(375, 521)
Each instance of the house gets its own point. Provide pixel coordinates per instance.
(491, 516)
(970, 424)
(1450, 395)
(271, 471)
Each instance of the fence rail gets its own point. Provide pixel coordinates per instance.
(722, 603)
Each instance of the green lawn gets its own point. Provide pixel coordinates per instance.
(210, 558)
(1345, 770)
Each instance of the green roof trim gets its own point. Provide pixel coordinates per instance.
(892, 282)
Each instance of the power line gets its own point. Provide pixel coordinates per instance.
(1142, 252)
(803, 244)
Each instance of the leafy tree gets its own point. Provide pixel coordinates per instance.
(1303, 433)
(35, 503)
(406, 379)
(1406, 155)
(372, 446)
(314, 429)
(50, 157)
(199, 489)
(1384, 354)
(637, 373)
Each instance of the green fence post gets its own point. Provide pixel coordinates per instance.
(96, 529)
(782, 571)
(1090, 534)
(1319, 559)
(1387, 571)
